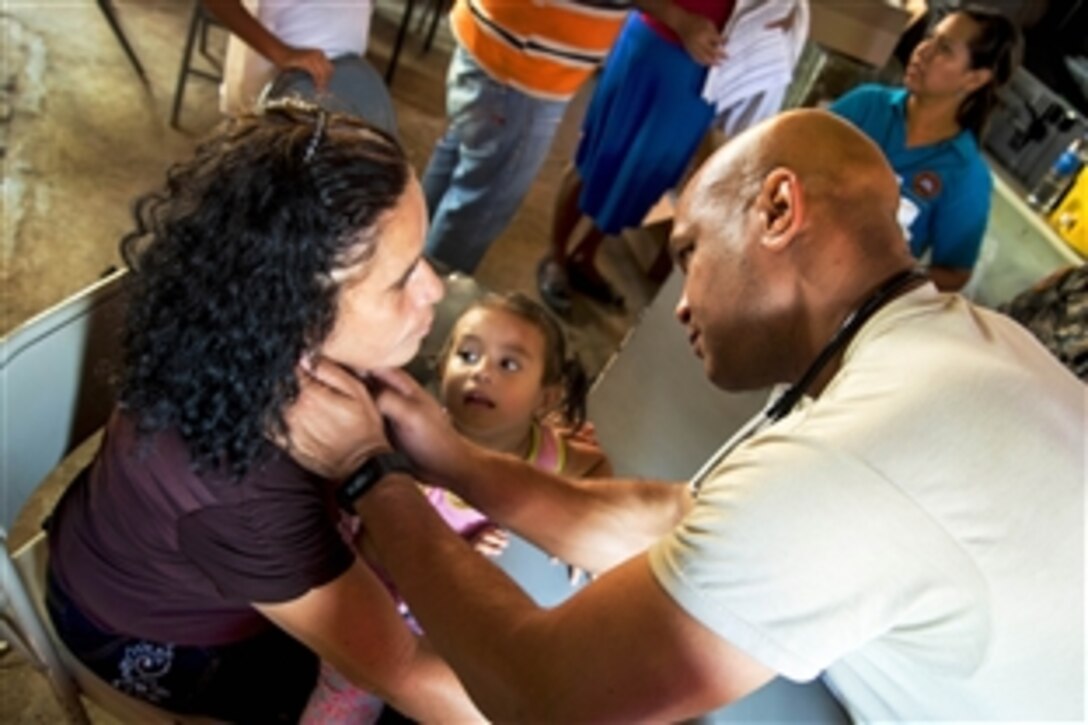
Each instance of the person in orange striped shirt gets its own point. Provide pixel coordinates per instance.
(515, 67)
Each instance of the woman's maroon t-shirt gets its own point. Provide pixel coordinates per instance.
(147, 548)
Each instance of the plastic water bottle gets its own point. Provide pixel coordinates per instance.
(1059, 177)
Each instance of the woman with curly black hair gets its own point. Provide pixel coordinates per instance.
(193, 545)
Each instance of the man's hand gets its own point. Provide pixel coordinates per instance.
(311, 61)
(334, 425)
(421, 428)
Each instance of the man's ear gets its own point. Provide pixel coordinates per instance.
(780, 205)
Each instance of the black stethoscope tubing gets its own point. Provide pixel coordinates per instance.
(782, 406)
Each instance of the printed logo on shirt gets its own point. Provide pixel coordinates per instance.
(926, 184)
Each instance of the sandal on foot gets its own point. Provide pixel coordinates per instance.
(594, 286)
(551, 282)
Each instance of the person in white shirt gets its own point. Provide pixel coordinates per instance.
(314, 49)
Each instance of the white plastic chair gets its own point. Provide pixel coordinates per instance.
(55, 393)
(54, 386)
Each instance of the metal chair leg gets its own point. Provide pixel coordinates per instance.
(198, 26)
(438, 9)
(31, 638)
(183, 73)
(398, 44)
(111, 17)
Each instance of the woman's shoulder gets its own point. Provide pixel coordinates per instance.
(866, 104)
(869, 93)
(162, 460)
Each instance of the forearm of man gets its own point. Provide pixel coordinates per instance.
(949, 279)
(238, 20)
(592, 523)
(619, 650)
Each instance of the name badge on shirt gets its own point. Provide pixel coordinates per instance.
(926, 184)
(906, 214)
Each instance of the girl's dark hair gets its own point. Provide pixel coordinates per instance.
(558, 367)
(996, 46)
(232, 272)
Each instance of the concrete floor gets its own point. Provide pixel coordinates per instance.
(81, 137)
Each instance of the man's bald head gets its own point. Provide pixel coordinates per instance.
(782, 234)
(846, 179)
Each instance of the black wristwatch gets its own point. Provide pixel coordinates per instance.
(367, 476)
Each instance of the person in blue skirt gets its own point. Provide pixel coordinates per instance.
(644, 124)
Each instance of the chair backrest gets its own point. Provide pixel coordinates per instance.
(55, 386)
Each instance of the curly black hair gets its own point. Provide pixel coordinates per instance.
(232, 266)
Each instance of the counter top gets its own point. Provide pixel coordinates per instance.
(1015, 195)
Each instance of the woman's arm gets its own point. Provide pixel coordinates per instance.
(949, 279)
(957, 226)
(353, 624)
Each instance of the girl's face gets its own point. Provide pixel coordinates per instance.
(386, 303)
(941, 64)
(492, 378)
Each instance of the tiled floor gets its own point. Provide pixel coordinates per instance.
(81, 136)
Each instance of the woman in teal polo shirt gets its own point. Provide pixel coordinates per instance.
(930, 131)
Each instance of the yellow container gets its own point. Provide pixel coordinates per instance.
(1070, 218)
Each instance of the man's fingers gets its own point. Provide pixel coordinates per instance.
(335, 377)
(398, 380)
(393, 405)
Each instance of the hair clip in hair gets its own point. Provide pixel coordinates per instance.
(319, 131)
(297, 105)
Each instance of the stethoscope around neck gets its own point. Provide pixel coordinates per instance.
(781, 406)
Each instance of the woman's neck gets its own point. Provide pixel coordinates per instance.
(931, 120)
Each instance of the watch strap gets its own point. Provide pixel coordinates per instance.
(366, 476)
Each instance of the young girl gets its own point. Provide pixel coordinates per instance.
(506, 379)
(508, 384)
